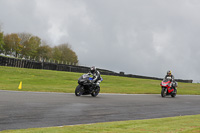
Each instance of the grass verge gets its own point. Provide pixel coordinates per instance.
(183, 124)
(60, 81)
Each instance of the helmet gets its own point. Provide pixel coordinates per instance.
(93, 69)
(169, 73)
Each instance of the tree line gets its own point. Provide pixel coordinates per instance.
(28, 46)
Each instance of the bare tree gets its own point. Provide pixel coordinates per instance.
(24, 37)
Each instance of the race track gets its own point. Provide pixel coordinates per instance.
(19, 110)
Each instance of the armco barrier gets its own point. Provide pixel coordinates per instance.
(6, 61)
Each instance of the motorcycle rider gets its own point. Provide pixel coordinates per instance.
(96, 75)
(171, 77)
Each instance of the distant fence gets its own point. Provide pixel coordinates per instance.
(22, 63)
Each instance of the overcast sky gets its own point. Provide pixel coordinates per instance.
(142, 37)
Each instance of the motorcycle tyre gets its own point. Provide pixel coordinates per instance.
(163, 94)
(173, 94)
(95, 92)
(79, 90)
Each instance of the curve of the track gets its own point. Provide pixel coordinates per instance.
(31, 109)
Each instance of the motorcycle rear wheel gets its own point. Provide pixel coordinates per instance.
(79, 90)
(174, 94)
(96, 91)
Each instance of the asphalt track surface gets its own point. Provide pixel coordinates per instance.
(20, 110)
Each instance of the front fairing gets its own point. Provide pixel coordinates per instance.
(85, 79)
(166, 83)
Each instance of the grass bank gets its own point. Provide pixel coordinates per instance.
(60, 81)
(183, 124)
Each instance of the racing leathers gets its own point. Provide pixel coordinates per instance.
(173, 82)
(171, 77)
(96, 77)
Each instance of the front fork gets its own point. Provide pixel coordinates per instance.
(165, 91)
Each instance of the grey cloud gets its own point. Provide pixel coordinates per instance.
(145, 37)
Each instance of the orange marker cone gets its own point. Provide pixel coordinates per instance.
(20, 85)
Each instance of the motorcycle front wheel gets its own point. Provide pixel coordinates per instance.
(79, 90)
(96, 91)
(163, 92)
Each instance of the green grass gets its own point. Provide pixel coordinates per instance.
(60, 81)
(183, 124)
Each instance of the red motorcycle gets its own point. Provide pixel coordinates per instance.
(168, 88)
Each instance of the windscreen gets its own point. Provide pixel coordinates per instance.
(166, 80)
(85, 76)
